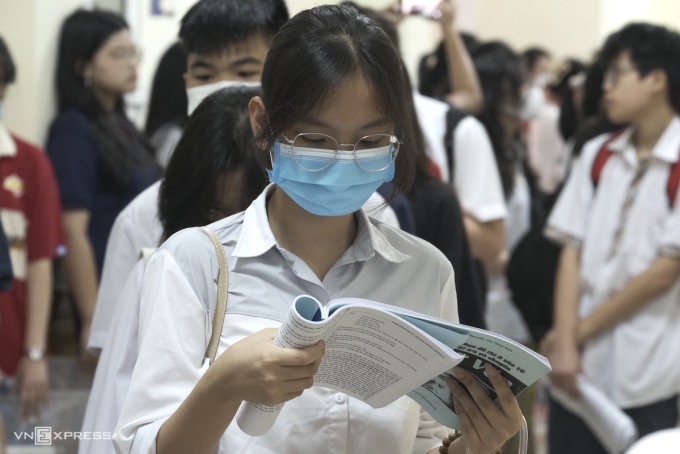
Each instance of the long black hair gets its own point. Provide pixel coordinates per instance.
(313, 54)
(168, 101)
(121, 146)
(8, 70)
(562, 87)
(500, 75)
(217, 142)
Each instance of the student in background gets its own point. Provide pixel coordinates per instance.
(30, 217)
(553, 125)
(226, 42)
(167, 104)
(305, 233)
(448, 73)
(458, 145)
(437, 213)
(499, 70)
(213, 174)
(536, 71)
(617, 318)
(101, 161)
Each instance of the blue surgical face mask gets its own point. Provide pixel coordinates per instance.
(341, 188)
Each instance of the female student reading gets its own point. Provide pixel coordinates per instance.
(332, 124)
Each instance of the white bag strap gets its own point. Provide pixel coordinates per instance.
(222, 295)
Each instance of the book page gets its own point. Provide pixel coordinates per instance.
(371, 355)
(520, 365)
(375, 357)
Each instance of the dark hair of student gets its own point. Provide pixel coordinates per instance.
(121, 146)
(594, 119)
(592, 88)
(433, 78)
(561, 87)
(313, 54)
(651, 47)
(8, 71)
(168, 101)
(217, 139)
(500, 76)
(531, 56)
(210, 26)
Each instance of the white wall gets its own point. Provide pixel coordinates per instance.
(568, 28)
(30, 29)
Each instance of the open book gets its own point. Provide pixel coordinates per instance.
(378, 353)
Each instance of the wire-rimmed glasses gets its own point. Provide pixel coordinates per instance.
(314, 152)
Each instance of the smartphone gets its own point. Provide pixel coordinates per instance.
(427, 8)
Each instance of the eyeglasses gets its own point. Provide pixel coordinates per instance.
(126, 53)
(314, 152)
(613, 73)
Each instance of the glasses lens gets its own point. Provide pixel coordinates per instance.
(376, 152)
(314, 152)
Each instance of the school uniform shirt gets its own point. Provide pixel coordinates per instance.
(135, 228)
(31, 218)
(476, 179)
(138, 226)
(114, 366)
(72, 146)
(383, 264)
(622, 226)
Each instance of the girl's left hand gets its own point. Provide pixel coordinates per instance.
(485, 425)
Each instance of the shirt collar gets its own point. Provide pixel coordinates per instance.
(667, 148)
(8, 147)
(256, 236)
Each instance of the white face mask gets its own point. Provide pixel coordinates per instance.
(542, 80)
(532, 102)
(197, 94)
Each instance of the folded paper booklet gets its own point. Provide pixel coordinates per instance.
(378, 353)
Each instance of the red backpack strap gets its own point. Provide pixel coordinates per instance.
(602, 157)
(673, 183)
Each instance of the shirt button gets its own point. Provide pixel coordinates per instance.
(340, 398)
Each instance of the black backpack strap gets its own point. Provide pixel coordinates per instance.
(673, 183)
(453, 117)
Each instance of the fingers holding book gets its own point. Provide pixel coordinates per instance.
(256, 370)
(486, 425)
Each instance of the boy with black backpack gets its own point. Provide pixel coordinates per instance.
(617, 317)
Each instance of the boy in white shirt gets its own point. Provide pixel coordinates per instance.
(617, 317)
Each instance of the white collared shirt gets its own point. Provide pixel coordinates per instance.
(476, 179)
(138, 227)
(383, 264)
(8, 147)
(635, 363)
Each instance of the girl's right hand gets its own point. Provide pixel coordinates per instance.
(257, 371)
